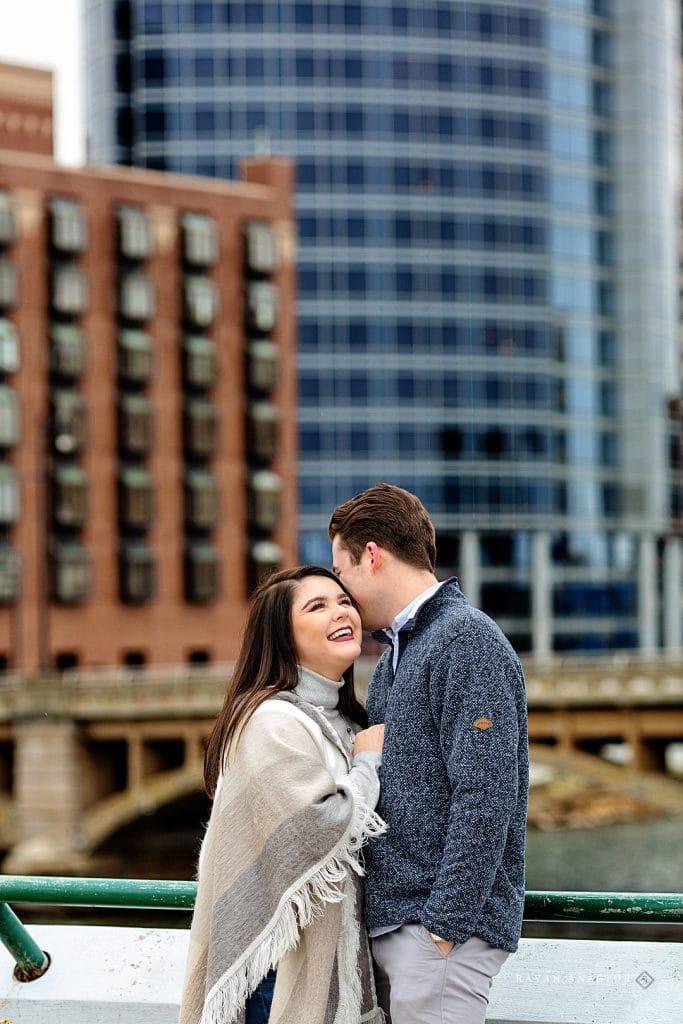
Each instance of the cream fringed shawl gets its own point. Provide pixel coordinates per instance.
(278, 881)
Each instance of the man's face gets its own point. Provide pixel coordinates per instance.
(359, 581)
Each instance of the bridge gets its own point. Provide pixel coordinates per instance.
(83, 754)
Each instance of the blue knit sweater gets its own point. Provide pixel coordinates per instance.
(454, 777)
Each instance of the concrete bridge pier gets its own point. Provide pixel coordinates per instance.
(49, 776)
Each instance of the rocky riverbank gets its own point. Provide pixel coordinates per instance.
(571, 790)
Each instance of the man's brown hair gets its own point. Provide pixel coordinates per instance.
(393, 518)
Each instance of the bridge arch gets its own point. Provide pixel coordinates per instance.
(114, 812)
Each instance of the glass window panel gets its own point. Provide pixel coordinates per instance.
(9, 283)
(200, 239)
(9, 495)
(201, 500)
(67, 351)
(135, 362)
(136, 296)
(9, 417)
(137, 573)
(69, 415)
(68, 226)
(262, 303)
(199, 362)
(7, 224)
(10, 574)
(568, 39)
(262, 432)
(136, 498)
(70, 573)
(136, 424)
(69, 496)
(201, 573)
(262, 369)
(264, 497)
(9, 347)
(200, 422)
(262, 256)
(201, 301)
(134, 233)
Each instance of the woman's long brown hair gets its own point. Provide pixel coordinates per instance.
(268, 664)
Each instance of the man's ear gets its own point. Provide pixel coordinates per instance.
(375, 553)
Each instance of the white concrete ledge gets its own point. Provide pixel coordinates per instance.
(110, 975)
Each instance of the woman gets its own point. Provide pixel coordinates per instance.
(293, 775)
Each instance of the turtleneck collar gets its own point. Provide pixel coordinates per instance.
(318, 690)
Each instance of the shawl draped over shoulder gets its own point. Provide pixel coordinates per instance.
(279, 881)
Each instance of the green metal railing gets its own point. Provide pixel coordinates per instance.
(143, 894)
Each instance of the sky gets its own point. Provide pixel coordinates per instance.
(47, 34)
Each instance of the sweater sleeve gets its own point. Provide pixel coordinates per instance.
(364, 777)
(480, 711)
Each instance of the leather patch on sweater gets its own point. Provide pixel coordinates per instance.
(483, 724)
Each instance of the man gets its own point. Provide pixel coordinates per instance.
(445, 886)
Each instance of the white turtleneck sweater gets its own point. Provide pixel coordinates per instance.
(323, 693)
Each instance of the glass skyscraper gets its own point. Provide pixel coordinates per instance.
(487, 217)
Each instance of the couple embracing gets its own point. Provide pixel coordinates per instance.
(424, 794)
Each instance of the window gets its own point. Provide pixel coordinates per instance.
(262, 306)
(201, 573)
(200, 428)
(7, 225)
(262, 257)
(154, 121)
(264, 501)
(136, 498)
(262, 432)
(134, 233)
(10, 574)
(69, 496)
(69, 415)
(153, 70)
(69, 289)
(136, 574)
(9, 417)
(9, 495)
(264, 559)
(199, 362)
(136, 296)
(67, 351)
(201, 500)
(70, 567)
(135, 362)
(262, 366)
(135, 421)
(9, 347)
(9, 284)
(201, 301)
(200, 240)
(68, 226)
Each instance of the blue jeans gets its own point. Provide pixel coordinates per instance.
(259, 1002)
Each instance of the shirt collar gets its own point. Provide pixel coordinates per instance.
(411, 610)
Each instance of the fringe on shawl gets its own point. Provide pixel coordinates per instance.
(296, 910)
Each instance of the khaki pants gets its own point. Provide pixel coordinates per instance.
(417, 984)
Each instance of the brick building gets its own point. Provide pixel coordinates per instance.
(147, 437)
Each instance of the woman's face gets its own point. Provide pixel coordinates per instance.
(326, 626)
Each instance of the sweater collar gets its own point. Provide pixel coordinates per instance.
(417, 609)
(318, 690)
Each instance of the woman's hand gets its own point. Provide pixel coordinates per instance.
(369, 739)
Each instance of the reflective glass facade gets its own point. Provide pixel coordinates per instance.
(465, 265)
